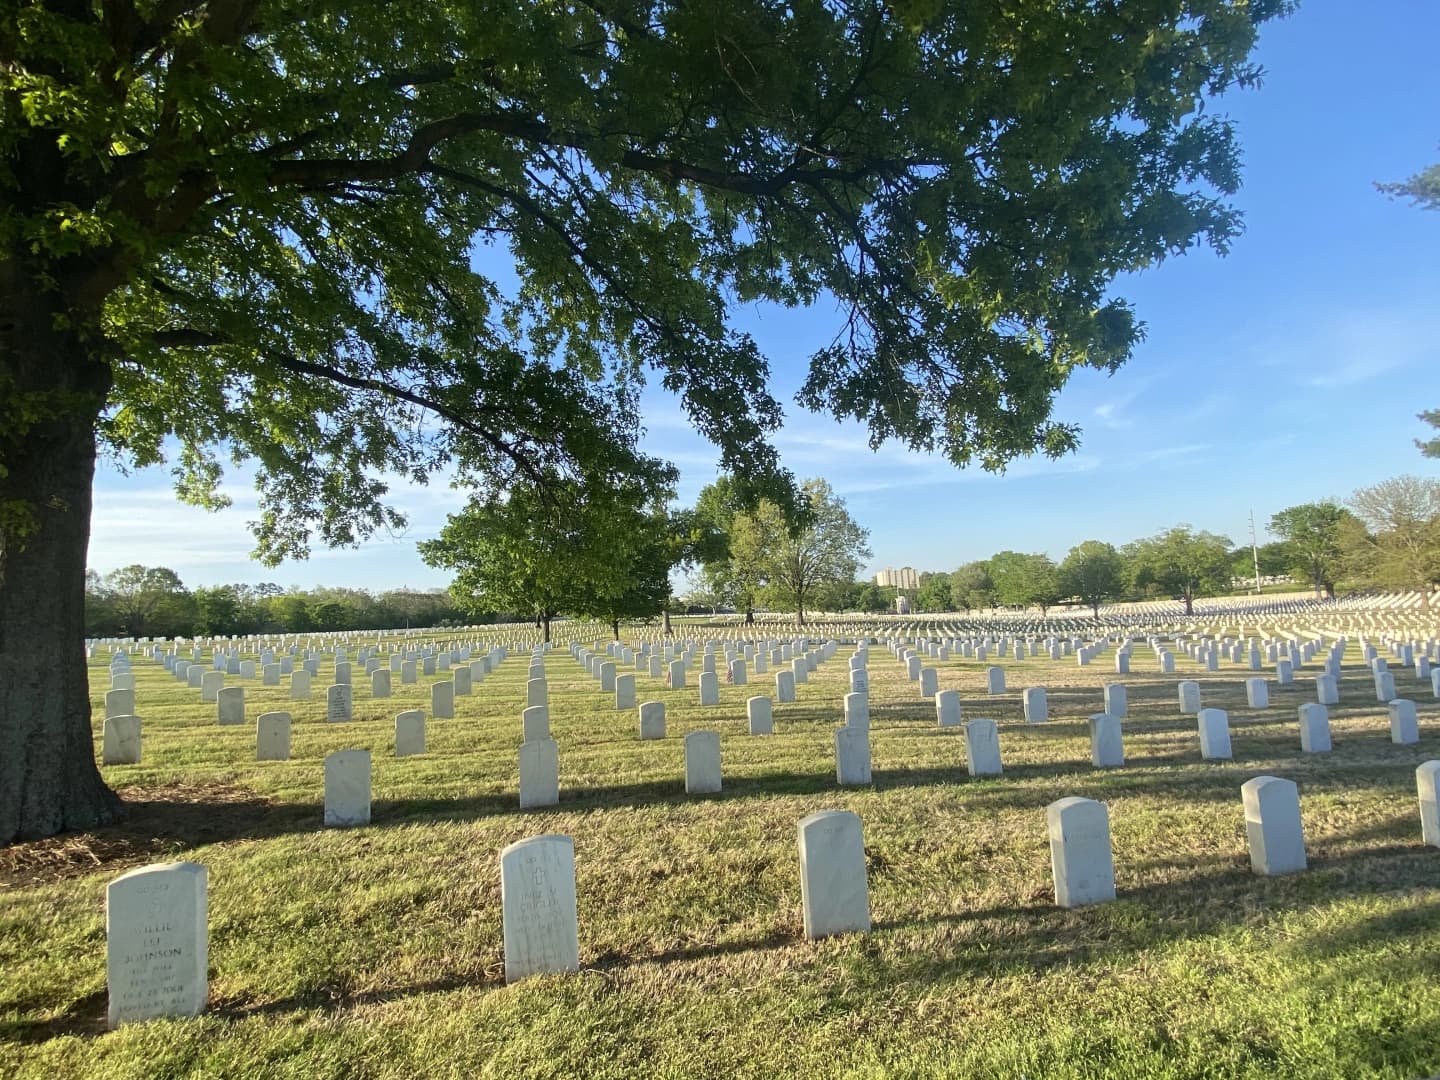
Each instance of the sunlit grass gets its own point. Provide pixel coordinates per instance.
(377, 951)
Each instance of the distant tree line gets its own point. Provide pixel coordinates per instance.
(1385, 537)
(151, 601)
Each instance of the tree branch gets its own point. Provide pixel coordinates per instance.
(184, 337)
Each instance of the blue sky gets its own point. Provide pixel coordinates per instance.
(1288, 371)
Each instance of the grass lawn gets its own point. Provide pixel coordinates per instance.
(376, 952)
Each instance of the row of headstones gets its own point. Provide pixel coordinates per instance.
(539, 766)
(212, 684)
(121, 738)
(157, 923)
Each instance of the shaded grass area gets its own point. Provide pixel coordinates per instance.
(376, 952)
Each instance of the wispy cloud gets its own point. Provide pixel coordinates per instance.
(1356, 346)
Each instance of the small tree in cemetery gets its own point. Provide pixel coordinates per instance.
(1399, 543)
(1311, 537)
(971, 586)
(822, 545)
(1182, 563)
(1023, 580)
(558, 547)
(254, 225)
(1094, 572)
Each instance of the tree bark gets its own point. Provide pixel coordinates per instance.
(545, 623)
(48, 777)
(615, 628)
(749, 616)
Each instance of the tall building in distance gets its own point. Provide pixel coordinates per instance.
(907, 577)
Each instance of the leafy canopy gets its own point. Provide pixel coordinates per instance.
(285, 231)
(1094, 571)
(1311, 534)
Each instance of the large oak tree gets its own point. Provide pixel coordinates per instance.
(244, 229)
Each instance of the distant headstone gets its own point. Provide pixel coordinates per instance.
(339, 703)
(1272, 825)
(120, 702)
(1326, 690)
(800, 668)
(380, 683)
(1404, 724)
(1214, 727)
(407, 672)
(535, 723)
(1257, 694)
(784, 686)
(652, 720)
(1080, 855)
(539, 773)
(1427, 779)
(1037, 708)
(538, 909)
(834, 895)
(947, 708)
(761, 715)
(1117, 700)
(702, 762)
(1314, 728)
(230, 705)
(120, 744)
(210, 685)
(409, 733)
(1189, 698)
(300, 685)
(709, 688)
(342, 671)
(852, 755)
(929, 682)
(677, 675)
(272, 737)
(157, 942)
(347, 788)
(442, 700)
(625, 691)
(270, 675)
(607, 677)
(1384, 687)
(464, 682)
(1107, 741)
(982, 748)
(995, 680)
(857, 711)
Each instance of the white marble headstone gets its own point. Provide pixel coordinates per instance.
(537, 891)
(1080, 855)
(1272, 825)
(157, 942)
(702, 762)
(834, 895)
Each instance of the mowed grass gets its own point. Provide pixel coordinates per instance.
(376, 952)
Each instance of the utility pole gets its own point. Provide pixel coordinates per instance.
(1255, 551)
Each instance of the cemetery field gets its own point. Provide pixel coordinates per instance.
(376, 951)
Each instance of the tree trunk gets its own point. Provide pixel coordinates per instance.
(51, 393)
(1189, 602)
(545, 624)
(615, 628)
(1095, 609)
(749, 616)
